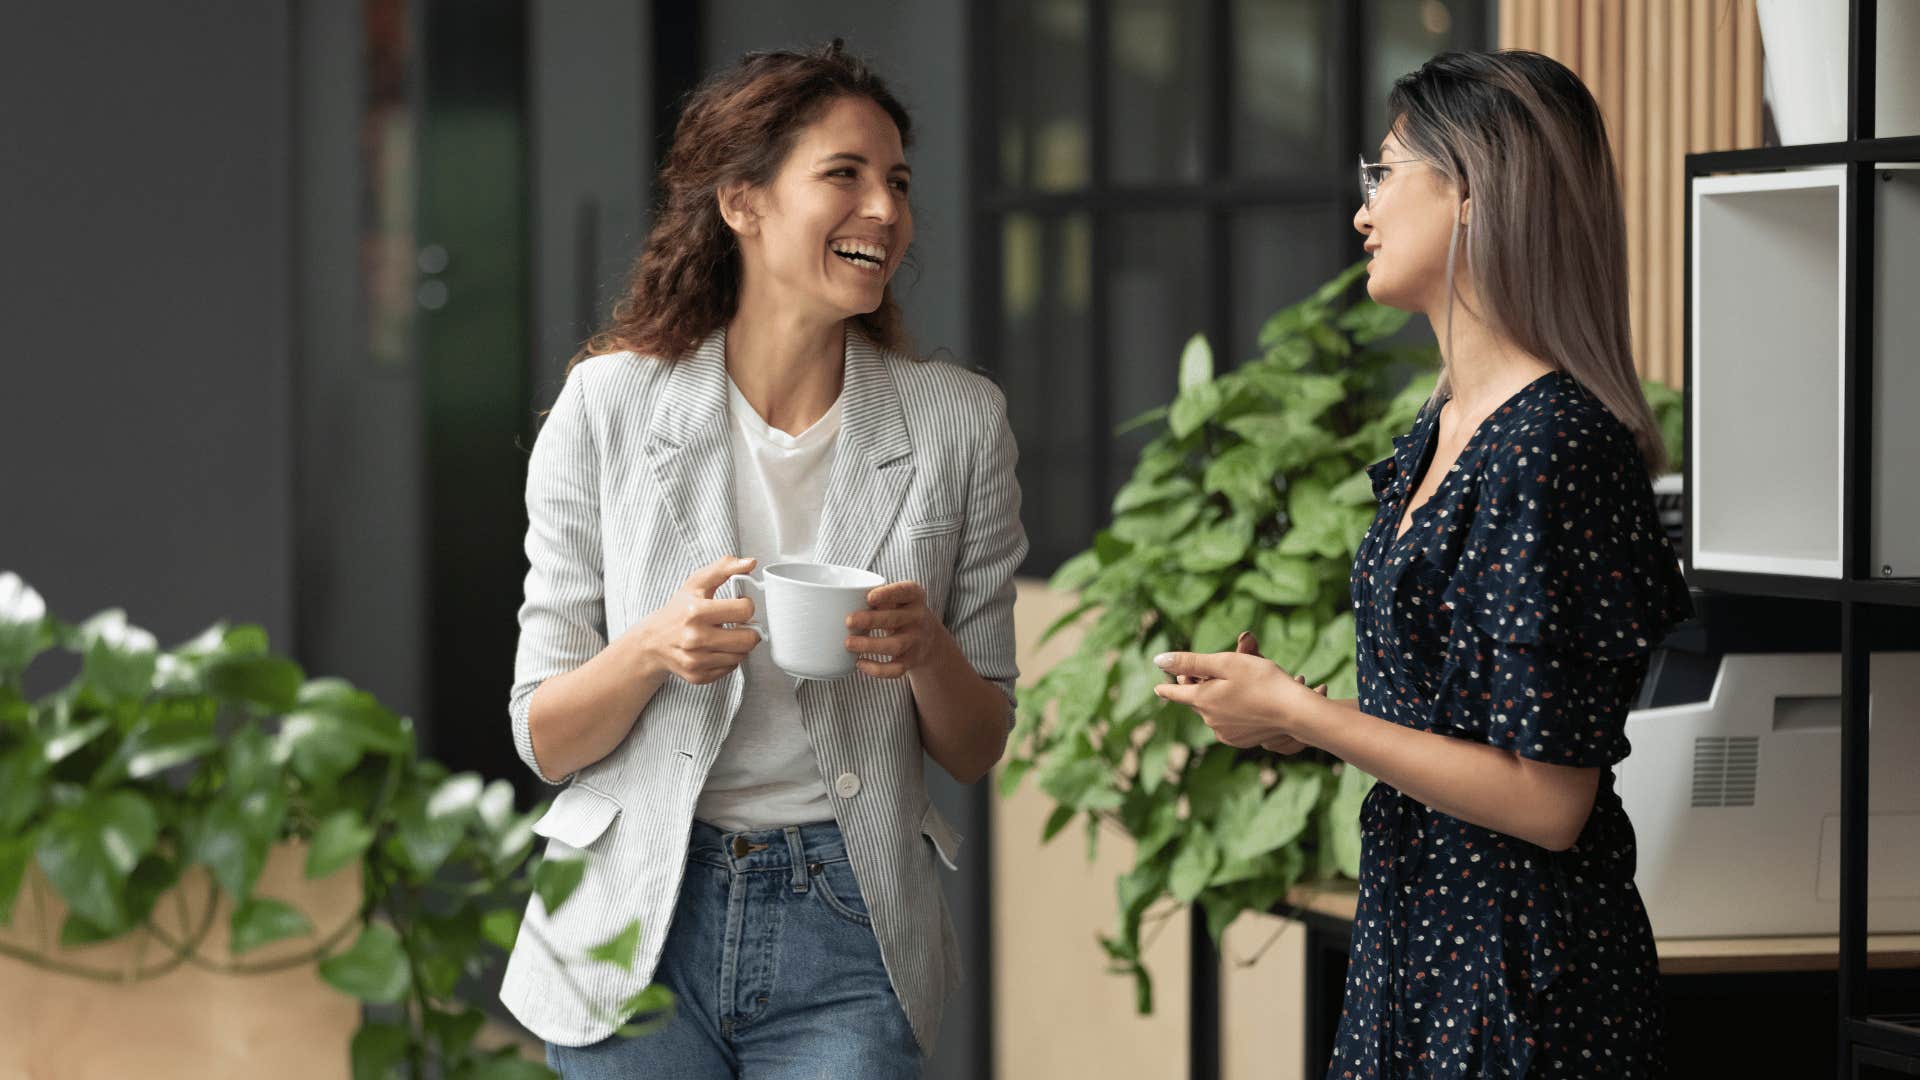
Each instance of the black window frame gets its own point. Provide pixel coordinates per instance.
(1218, 194)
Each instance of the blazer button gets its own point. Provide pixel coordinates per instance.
(848, 785)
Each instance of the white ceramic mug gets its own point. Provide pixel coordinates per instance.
(801, 613)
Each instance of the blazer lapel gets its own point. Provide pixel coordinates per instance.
(689, 449)
(873, 466)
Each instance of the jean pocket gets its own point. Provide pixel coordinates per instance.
(835, 884)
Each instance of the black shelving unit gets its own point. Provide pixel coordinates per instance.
(1872, 611)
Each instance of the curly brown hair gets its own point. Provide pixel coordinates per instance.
(738, 125)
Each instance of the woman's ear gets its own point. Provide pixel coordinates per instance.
(737, 209)
(1466, 211)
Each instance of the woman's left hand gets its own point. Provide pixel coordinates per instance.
(909, 630)
(1246, 699)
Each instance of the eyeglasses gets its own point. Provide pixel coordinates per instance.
(1371, 173)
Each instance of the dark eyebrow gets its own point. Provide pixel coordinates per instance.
(860, 159)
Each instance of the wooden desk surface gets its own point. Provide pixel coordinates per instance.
(1686, 956)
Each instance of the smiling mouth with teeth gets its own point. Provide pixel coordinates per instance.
(865, 256)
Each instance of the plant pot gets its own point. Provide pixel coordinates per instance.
(190, 1022)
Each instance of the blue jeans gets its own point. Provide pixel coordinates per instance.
(778, 973)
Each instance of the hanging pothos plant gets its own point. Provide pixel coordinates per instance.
(172, 772)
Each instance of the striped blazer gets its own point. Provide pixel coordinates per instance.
(628, 492)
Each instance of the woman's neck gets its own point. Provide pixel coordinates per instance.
(1484, 367)
(787, 366)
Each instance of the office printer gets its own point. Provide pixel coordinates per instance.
(1733, 783)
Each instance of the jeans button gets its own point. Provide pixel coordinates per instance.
(740, 847)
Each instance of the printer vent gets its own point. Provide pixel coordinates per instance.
(1726, 770)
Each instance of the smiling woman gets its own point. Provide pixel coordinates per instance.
(741, 132)
(753, 403)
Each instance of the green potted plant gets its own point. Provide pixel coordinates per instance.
(152, 766)
(1243, 513)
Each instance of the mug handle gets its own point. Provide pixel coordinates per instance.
(753, 590)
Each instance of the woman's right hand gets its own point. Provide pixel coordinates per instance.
(688, 637)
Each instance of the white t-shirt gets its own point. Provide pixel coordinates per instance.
(766, 774)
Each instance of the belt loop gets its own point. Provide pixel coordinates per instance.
(797, 854)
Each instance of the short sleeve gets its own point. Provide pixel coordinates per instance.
(1564, 587)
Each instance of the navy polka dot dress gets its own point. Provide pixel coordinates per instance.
(1519, 610)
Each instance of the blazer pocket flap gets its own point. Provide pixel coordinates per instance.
(578, 816)
(945, 841)
(920, 530)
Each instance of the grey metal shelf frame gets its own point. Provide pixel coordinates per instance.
(1890, 1044)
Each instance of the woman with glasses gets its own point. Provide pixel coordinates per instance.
(1506, 600)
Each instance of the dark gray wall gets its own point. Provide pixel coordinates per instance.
(592, 166)
(361, 477)
(146, 370)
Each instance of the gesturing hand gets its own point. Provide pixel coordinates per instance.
(1246, 699)
(688, 637)
(907, 629)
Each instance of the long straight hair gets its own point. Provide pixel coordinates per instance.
(1547, 247)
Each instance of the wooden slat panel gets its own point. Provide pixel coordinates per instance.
(1699, 95)
(1595, 76)
(1725, 29)
(1633, 161)
(1672, 185)
(1526, 29)
(1613, 74)
(1747, 85)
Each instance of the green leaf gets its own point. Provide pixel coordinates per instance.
(1244, 474)
(454, 1031)
(332, 725)
(21, 785)
(63, 741)
(654, 1007)
(1196, 363)
(15, 852)
(23, 630)
(1282, 816)
(77, 932)
(266, 683)
(501, 927)
(1221, 626)
(555, 880)
(1193, 408)
(1280, 579)
(1010, 776)
(1076, 572)
(1355, 490)
(1369, 321)
(339, 840)
(619, 949)
(1335, 646)
(89, 849)
(120, 658)
(378, 1049)
(232, 835)
(1218, 546)
(1056, 821)
(374, 969)
(1343, 816)
(1160, 523)
(1138, 493)
(1082, 783)
(259, 921)
(1183, 594)
(158, 743)
(495, 806)
(1194, 865)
